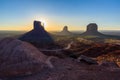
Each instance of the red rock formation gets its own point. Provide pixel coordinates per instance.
(38, 36)
(92, 30)
(65, 31)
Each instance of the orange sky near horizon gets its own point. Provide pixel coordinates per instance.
(51, 24)
(52, 27)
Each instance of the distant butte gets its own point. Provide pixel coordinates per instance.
(65, 31)
(38, 36)
(92, 30)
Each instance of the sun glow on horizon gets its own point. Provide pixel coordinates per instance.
(43, 22)
(42, 19)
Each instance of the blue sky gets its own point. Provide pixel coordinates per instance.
(19, 14)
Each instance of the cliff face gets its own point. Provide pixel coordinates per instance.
(38, 26)
(92, 30)
(65, 29)
(38, 36)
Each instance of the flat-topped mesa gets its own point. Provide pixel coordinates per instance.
(92, 27)
(37, 25)
(92, 30)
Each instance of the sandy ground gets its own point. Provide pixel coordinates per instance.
(70, 69)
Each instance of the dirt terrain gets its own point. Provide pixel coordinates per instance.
(69, 69)
(67, 66)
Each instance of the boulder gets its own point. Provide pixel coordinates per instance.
(86, 59)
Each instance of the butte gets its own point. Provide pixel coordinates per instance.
(65, 31)
(92, 30)
(37, 36)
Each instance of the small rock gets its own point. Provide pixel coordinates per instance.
(86, 59)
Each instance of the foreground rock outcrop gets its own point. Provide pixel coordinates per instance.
(38, 36)
(19, 58)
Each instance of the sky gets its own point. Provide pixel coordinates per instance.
(76, 14)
